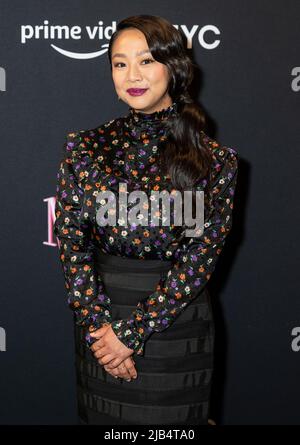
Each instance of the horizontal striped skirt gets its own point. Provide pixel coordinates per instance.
(174, 375)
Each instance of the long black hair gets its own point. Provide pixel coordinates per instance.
(184, 157)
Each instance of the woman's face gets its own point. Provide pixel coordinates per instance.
(133, 70)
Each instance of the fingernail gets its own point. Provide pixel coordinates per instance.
(128, 380)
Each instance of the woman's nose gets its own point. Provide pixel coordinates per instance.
(134, 74)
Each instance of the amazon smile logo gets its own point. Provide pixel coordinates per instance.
(205, 36)
(49, 32)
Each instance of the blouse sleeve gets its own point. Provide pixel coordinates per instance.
(194, 265)
(85, 291)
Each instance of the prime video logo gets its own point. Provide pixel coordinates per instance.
(205, 36)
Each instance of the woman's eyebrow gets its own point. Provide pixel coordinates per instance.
(139, 53)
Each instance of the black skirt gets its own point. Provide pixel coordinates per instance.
(174, 376)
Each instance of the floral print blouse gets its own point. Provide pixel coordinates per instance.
(126, 150)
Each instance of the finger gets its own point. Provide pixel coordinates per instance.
(130, 368)
(120, 371)
(99, 332)
(115, 362)
(123, 372)
(114, 372)
(98, 344)
(106, 359)
(99, 353)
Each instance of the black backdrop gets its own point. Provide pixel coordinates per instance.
(249, 86)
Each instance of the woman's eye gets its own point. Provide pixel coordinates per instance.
(145, 60)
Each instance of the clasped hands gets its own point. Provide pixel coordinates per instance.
(113, 354)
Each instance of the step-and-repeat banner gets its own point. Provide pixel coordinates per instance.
(55, 77)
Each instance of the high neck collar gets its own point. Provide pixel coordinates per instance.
(137, 120)
(142, 136)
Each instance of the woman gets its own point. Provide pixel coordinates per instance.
(144, 330)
